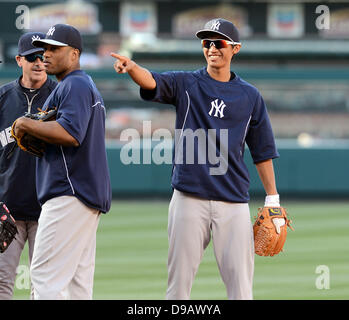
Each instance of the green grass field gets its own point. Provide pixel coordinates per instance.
(132, 255)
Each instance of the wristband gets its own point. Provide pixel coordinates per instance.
(272, 201)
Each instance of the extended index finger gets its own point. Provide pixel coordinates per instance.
(118, 56)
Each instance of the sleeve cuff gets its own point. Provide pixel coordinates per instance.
(147, 94)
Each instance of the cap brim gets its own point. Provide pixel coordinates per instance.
(34, 50)
(206, 33)
(40, 43)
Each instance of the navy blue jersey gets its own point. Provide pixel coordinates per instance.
(17, 168)
(80, 171)
(230, 114)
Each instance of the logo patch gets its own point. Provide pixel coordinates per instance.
(218, 108)
(215, 25)
(35, 37)
(274, 211)
(51, 31)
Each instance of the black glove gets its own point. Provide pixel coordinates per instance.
(8, 228)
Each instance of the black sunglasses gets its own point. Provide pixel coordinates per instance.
(32, 57)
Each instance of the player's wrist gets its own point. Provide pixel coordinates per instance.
(272, 200)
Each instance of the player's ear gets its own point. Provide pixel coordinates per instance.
(19, 61)
(76, 54)
(236, 48)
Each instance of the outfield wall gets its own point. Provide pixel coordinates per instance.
(316, 171)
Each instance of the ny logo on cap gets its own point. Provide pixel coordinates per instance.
(215, 25)
(51, 31)
(35, 38)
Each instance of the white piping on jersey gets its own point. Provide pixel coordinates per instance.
(30, 102)
(98, 102)
(186, 114)
(185, 119)
(245, 134)
(66, 169)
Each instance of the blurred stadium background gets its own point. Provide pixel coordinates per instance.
(296, 53)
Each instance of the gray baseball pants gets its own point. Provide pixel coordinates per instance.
(191, 223)
(9, 260)
(64, 253)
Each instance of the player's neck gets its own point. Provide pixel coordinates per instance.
(219, 74)
(63, 74)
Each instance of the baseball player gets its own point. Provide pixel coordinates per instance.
(73, 182)
(17, 175)
(210, 199)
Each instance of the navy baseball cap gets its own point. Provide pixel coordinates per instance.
(25, 46)
(220, 27)
(62, 35)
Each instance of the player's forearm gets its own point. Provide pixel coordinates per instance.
(139, 75)
(266, 173)
(50, 132)
(142, 77)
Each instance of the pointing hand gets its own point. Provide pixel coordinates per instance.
(122, 64)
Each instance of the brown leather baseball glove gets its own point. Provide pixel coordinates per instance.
(32, 144)
(270, 230)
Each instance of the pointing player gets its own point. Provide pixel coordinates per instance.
(17, 176)
(72, 177)
(207, 202)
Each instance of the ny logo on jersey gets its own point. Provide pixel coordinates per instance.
(215, 25)
(218, 108)
(51, 31)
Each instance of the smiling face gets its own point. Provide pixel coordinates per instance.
(220, 58)
(34, 74)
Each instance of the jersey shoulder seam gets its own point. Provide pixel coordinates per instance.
(6, 89)
(186, 73)
(248, 94)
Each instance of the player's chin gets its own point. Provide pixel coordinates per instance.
(38, 77)
(50, 72)
(215, 64)
(49, 68)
